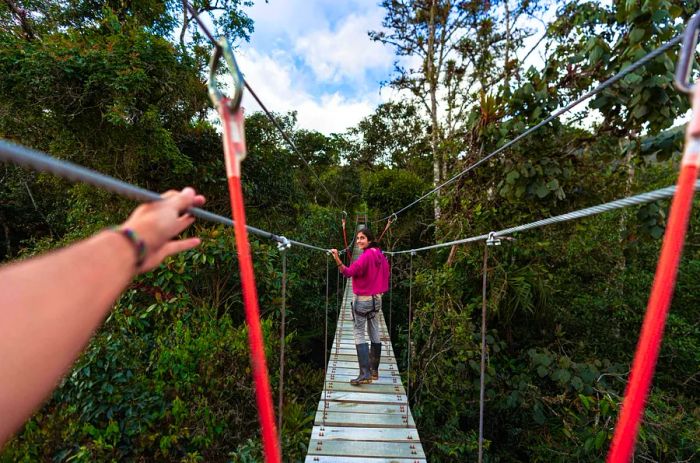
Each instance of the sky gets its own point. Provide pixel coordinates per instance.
(315, 57)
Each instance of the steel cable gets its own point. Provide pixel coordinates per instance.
(410, 320)
(482, 371)
(291, 143)
(632, 67)
(27, 157)
(606, 207)
(282, 342)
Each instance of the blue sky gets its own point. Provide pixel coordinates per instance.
(315, 57)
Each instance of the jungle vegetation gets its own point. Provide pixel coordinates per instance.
(120, 87)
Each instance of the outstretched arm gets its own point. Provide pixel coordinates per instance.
(357, 268)
(51, 305)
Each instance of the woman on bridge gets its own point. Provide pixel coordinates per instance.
(370, 279)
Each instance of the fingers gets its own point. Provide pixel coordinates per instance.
(182, 223)
(173, 247)
(169, 194)
(182, 200)
(168, 249)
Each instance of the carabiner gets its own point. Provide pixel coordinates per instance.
(224, 49)
(685, 59)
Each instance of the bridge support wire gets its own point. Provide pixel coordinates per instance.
(410, 322)
(325, 336)
(483, 354)
(391, 287)
(283, 312)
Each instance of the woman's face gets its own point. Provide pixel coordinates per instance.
(362, 241)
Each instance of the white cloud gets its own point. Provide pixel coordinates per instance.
(345, 52)
(315, 57)
(281, 87)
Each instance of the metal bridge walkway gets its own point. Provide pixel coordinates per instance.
(370, 423)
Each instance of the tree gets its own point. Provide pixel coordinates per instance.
(393, 136)
(456, 44)
(98, 84)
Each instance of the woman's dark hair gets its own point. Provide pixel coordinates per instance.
(370, 237)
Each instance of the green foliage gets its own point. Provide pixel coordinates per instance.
(167, 378)
(389, 190)
(393, 136)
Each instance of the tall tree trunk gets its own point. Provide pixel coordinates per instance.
(616, 288)
(506, 67)
(432, 84)
(23, 18)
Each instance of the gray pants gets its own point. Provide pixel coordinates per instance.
(361, 320)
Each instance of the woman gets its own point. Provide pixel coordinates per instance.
(370, 279)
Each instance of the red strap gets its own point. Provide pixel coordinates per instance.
(234, 150)
(388, 224)
(345, 238)
(653, 327)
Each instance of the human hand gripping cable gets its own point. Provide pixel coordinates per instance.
(336, 257)
(52, 304)
(157, 223)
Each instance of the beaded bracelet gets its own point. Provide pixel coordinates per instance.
(136, 241)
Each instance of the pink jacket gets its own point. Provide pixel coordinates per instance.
(369, 273)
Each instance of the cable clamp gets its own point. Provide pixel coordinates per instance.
(283, 244)
(493, 240)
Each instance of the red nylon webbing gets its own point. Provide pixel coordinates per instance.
(653, 327)
(345, 238)
(234, 146)
(388, 224)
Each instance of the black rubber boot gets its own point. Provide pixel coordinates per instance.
(375, 355)
(363, 359)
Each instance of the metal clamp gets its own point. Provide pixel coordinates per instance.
(284, 244)
(685, 59)
(493, 240)
(224, 49)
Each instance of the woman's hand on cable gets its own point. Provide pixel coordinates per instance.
(334, 253)
(157, 223)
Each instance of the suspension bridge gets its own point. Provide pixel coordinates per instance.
(368, 423)
(373, 423)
